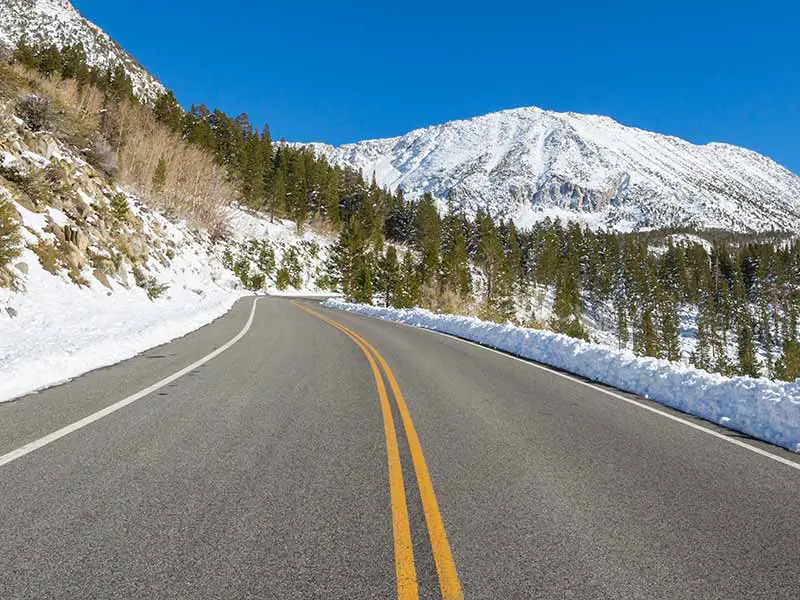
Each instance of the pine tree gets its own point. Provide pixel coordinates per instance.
(350, 263)
(276, 197)
(297, 188)
(670, 328)
(455, 274)
(428, 238)
(388, 276)
(168, 111)
(362, 291)
(748, 364)
(701, 356)
(498, 301)
(74, 63)
(329, 199)
(410, 286)
(252, 174)
(25, 54)
(48, 60)
(622, 327)
(788, 366)
(649, 337)
(514, 258)
(567, 305)
(160, 176)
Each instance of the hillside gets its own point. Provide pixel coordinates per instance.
(95, 268)
(530, 163)
(57, 22)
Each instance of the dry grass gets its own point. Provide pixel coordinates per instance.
(444, 300)
(10, 237)
(196, 188)
(195, 185)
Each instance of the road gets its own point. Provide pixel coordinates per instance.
(280, 469)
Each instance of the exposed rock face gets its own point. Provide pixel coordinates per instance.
(67, 221)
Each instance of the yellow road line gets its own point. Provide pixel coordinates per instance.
(442, 554)
(449, 582)
(401, 527)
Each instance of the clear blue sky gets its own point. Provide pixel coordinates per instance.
(704, 70)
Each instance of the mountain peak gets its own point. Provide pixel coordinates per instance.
(58, 22)
(529, 163)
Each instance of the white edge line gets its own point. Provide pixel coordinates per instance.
(52, 437)
(711, 432)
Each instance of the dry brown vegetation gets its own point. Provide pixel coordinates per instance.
(444, 300)
(132, 144)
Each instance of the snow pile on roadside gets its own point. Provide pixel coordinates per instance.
(54, 330)
(762, 408)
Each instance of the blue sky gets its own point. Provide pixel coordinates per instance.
(345, 71)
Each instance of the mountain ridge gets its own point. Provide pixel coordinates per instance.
(58, 22)
(528, 163)
(520, 163)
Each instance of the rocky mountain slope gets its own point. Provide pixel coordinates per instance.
(530, 163)
(57, 22)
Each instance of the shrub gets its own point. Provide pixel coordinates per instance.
(36, 111)
(37, 186)
(241, 269)
(160, 176)
(119, 207)
(256, 282)
(9, 233)
(149, 284)
(13, 174)
(49, 256)
(283, 279)
(266, 259)
(227, 258)
(291, 264)
(323, 282)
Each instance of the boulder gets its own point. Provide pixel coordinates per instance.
(102, 278)
(133, 247)
(82, 240)
(73, 257)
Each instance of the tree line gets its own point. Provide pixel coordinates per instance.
(737, 296)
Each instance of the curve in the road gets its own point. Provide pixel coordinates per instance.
(407, 588)
(442, 554)
(88, 420)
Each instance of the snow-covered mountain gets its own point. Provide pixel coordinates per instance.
(529, 163)
(57, 22)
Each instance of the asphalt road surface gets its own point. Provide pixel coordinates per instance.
(295, 464)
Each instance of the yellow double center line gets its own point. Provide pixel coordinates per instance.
(403, 549)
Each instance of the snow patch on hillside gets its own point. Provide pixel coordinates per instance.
(765, 409)
(301, 254)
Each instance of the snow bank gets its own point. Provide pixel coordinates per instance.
(55, 330)
(762, 408)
